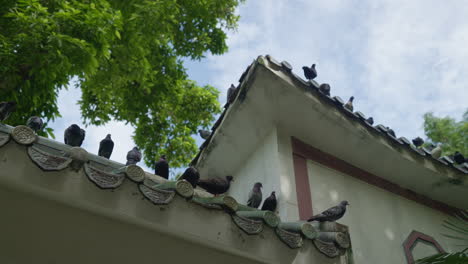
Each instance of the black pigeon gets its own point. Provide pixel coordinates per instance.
(216, 185)
(418, 142)
(35, 123)
(205, 134)
(255, 195)
(349, 104)
(6, 108)
(310, 73)
(331, 214)
(74, 136)
(391, 132)
(458, 158)
(191, 175)
(133, 156)
(325, 89)
(370, 120)
(230, 93)
(161, 167)
(270, 203)
(105, 147)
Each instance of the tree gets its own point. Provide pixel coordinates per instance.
(453, 135)
(127, 55)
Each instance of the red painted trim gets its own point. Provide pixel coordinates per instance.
(413, 239)
(304, 199)
(308, 152)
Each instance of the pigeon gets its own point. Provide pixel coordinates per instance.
(35, 123)
(6, 108)
(161, 167)
(74, 136)
(437, 151)
(331, 214)
(205, 134)
(216, 185)
(458, 158)
(370, 120)
(391, 132)
(325, 89)
(255, 195)
(418, 142)
(349, 104)
(106, 146)
(133, 156)
(310, 73)
(191, 175)
(270, 203)
(230, 94)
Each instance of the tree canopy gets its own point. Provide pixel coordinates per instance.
(128, 57)
(452, 134)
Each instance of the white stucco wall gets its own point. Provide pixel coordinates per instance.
(259, 166)
(379, 221)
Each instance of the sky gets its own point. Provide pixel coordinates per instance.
(399, 59)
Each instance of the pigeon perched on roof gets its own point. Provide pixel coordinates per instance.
(418, 142)
(270, 203)
(133, 156)
(191, 175)
(391, 132)
(332, 214)
(161, 167)
(458, 158)
(6, 108)
(216, 185)
(370, 120)
(325, 89)
(349, 104)
(74, 136)
(35, 123)
(230, 94)
(310, 73)
(205, 134)
(437, 151)
(106, 146)
(255, 195)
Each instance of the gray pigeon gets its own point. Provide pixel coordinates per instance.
(310, 73)
(418, 142)
(205, 134)
(133, 156)
(161, 167)
(216, 185)
(325, 88)
(35, 123)
(458, 158)
(191, 175)
(437, 151)
(349, 104)
(270, 203)
(230, 94)
(370, 120)
(74, 136)
(6, 108)
(255, 195)
(331, 214)
(106, 146)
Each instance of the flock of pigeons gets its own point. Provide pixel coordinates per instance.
(74, 136)
(310, 73)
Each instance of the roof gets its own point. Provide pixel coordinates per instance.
(51, 157)
(313, 88)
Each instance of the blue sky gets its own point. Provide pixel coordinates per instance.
(399, 59)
